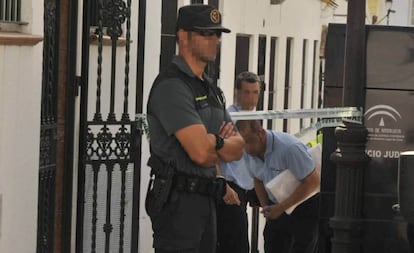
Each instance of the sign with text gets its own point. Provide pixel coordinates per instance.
(390, 122)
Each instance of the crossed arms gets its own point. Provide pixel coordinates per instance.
(200, 145)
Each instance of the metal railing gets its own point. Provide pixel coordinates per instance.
(10, 10)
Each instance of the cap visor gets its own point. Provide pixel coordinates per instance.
(220, 28)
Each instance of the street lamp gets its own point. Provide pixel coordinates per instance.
(388, 6)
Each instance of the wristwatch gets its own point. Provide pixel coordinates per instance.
(219, 142)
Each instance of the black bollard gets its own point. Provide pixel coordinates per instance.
(351, 159)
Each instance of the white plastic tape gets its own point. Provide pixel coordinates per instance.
(328, 117)
(334, 112)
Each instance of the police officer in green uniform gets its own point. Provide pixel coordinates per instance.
(190, 133)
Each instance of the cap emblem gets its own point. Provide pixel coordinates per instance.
(215, 16)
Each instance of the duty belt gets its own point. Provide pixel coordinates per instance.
(204, 186)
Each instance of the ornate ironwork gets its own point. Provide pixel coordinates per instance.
(125, 116)
(123, 144)
(46, 213)
(46, 188)
(47, 145)
(108, 146)
(108, 227)
(115, 12)
(104, 145)
(109, 160)
(124, 167)
(98, 115)
(48, 112)
(95, 205)
(104, 140)
(48, 132)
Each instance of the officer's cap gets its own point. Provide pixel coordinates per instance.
(199, 17)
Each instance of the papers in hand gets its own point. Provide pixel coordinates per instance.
(283, 185)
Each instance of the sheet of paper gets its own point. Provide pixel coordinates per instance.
(283, 186)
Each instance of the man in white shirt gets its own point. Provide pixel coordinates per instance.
(232, 223)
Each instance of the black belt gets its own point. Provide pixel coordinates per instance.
(204, 186)
(236, 187)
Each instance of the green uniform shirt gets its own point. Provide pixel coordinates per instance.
(179, 99)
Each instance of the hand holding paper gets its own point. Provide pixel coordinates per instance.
(283, 186)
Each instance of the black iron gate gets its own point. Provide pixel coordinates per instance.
(48, 129)
(109, 143)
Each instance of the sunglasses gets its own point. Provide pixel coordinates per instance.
(208, 33)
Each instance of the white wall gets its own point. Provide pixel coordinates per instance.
(19, 148)
(152, 56)
(20, 97)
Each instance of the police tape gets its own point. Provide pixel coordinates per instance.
(328, 117)
(322, 113)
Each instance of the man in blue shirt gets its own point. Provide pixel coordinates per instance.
(274, 152)
(232, 224)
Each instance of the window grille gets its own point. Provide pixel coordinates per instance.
(10, 10)
(412, 12)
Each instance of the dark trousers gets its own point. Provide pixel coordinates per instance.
(294, 233)
(410, 236)
(187, 224)
(232, 228)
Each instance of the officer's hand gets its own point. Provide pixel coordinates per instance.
(272, 212)
(231, 197)
(227, 130)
